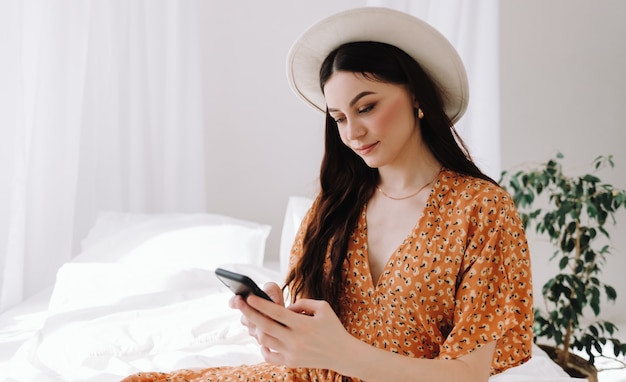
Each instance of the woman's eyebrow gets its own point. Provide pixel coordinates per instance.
(354, 100)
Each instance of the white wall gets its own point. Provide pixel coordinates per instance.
(264, 143)
(563, 88)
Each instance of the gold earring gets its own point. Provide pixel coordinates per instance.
(420, 113)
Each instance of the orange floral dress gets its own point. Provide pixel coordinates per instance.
(461, 279)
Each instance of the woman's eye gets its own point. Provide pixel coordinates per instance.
(366, 109)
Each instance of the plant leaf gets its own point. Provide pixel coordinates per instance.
(611, 294)
(563, 263)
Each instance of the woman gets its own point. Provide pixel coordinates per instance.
(452, 300)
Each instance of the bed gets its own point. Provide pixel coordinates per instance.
(142, 296)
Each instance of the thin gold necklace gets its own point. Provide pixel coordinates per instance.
(408, 196)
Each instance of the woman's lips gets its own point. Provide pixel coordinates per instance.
(366, 149)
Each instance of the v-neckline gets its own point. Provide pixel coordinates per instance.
(429, 203)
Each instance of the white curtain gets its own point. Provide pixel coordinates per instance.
(472, 27)
(100, 109)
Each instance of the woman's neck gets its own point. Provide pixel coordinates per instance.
(410, 173)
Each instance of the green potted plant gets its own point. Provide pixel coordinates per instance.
(573, 212)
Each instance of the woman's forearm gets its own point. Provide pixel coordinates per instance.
(372, 364)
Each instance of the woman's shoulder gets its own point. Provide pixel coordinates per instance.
(476, 198)
(471, 188)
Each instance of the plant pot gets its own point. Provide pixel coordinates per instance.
(577, 367)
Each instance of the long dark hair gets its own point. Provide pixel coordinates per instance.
(347, 183)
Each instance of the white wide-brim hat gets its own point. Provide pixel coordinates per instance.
(425, 44)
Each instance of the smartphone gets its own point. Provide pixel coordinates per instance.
(240, 284)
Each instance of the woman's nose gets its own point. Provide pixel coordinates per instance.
(354, 130)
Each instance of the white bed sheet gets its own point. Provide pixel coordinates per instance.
(19, 323)
(179, 319)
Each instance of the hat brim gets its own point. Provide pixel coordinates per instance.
(422, 42)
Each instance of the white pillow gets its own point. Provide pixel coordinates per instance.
(179, 240)
(297, 207)
(80, 286)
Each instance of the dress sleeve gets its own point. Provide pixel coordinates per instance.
(298, 243)
(493, 299)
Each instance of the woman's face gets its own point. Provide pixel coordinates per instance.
(375, 119)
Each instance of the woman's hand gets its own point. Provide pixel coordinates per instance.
(273, 291)
(306, 334)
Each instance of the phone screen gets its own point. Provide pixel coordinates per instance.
(240, 284)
